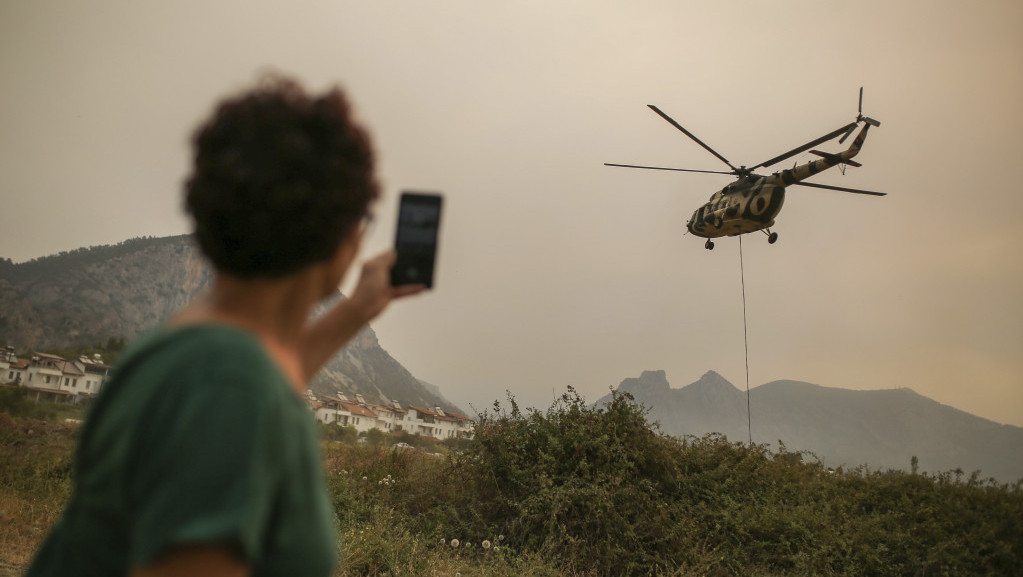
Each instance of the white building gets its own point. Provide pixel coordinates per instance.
(436, 424)
(344, 413)
(330, 412)
(53, 377)
(11, 367)
(44, 372)
(96, 372)
(362, 418)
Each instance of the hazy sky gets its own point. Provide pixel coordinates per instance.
(554, 269)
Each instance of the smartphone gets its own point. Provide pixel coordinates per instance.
(416, 239)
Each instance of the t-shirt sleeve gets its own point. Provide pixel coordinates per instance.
(206, 465)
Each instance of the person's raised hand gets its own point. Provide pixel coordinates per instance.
(373, 293)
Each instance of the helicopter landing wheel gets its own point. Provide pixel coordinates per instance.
(772, 238)
(709, 245)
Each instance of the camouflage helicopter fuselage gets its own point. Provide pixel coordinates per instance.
(752, 202)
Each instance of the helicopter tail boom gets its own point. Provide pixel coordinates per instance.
(804, 171)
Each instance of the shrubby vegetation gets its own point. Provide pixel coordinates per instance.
(14, 402)
(577, 490)
(582, 491)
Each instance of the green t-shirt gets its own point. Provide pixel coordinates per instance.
(196, 439)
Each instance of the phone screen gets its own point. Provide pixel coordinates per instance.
(416, 239)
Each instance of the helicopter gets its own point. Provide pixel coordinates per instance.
(752, 202)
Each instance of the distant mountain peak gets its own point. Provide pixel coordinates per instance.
(647, 383)
(711, 381)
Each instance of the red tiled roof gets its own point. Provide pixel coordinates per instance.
(358, 410)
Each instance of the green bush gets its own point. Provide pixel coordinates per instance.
(14, 402)
(375, 437)
(600, 491)
(336, 433)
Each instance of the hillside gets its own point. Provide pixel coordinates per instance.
(85, 297)
(884, 429)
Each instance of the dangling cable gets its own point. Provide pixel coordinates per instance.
(745, 339)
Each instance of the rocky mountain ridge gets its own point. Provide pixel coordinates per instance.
(883, 429)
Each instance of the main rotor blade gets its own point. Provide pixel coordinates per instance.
(806, 146)
(847, 134)
(841, 188)
(690, 135)
(662, 168)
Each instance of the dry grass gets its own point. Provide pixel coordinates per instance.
(35, 459)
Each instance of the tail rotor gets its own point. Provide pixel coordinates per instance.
(859, 118)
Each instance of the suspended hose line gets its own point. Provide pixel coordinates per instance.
(745, 339)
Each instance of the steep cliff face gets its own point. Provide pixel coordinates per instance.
(364, 367)
(87, 296)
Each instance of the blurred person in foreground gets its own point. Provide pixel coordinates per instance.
(200, 457)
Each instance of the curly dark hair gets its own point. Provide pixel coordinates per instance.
(280, 178)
